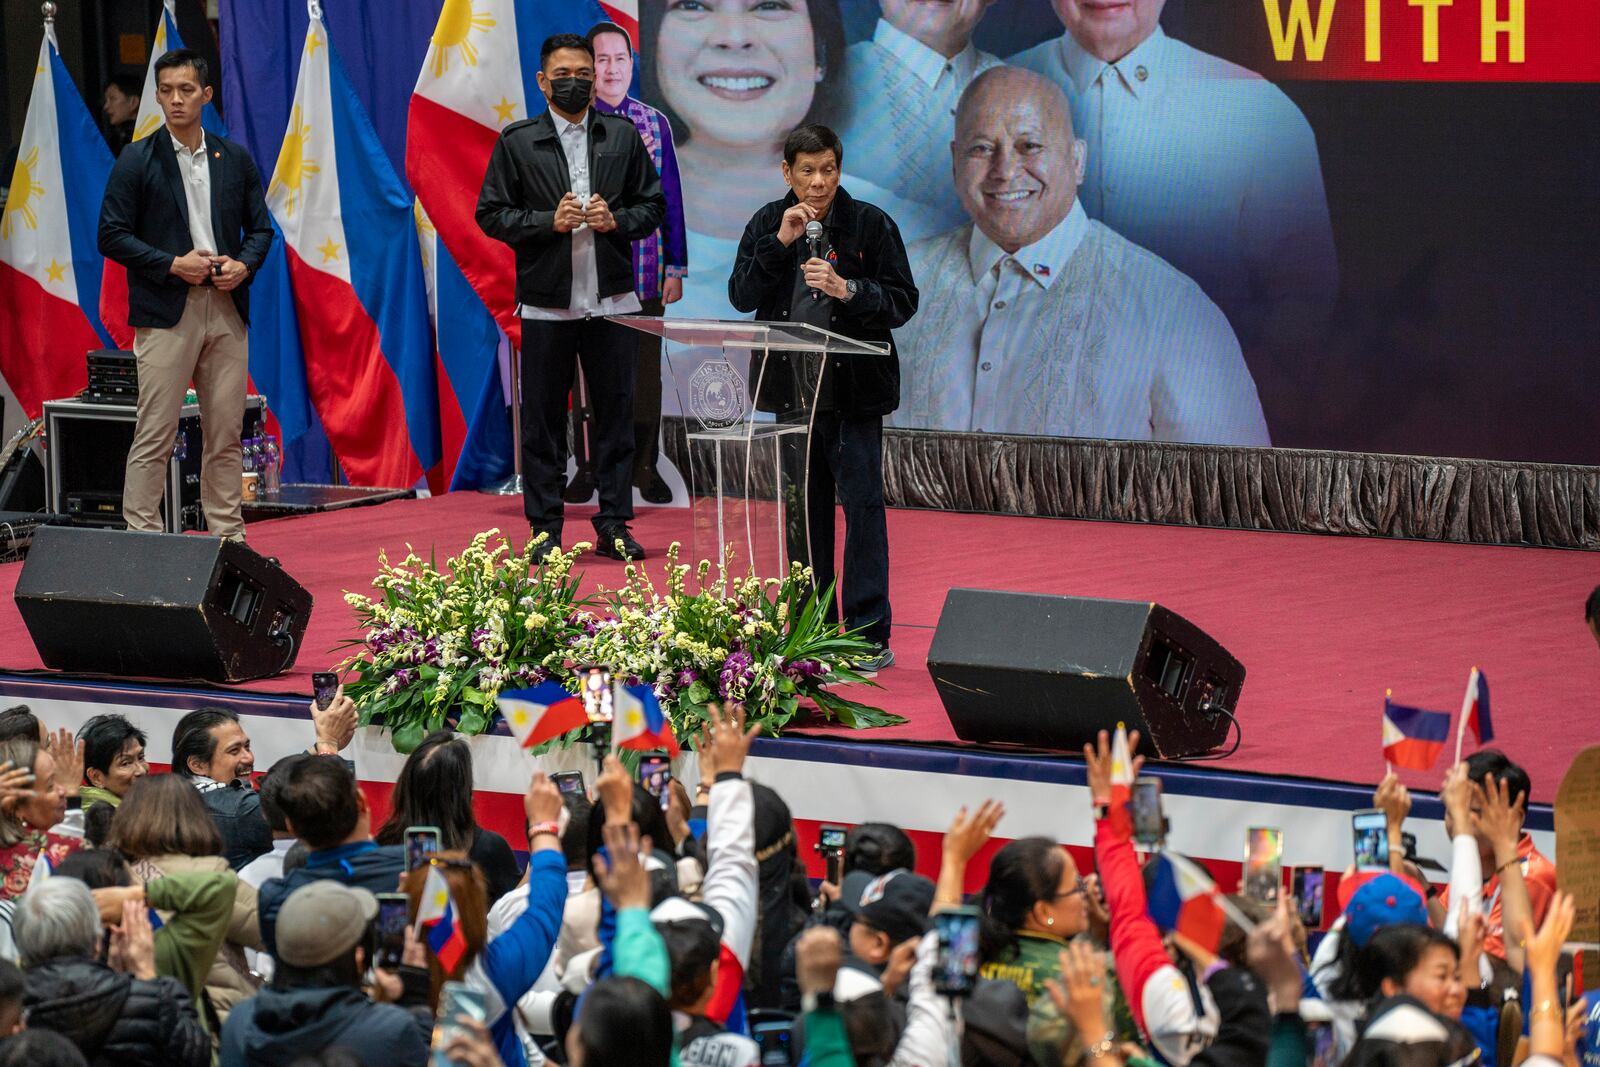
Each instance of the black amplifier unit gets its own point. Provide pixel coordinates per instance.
(113, 377)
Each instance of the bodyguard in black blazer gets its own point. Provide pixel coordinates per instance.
(526, 179)
(144, 223)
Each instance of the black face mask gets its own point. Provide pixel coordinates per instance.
(571, 95)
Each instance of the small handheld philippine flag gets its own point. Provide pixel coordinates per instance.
(1182, 898)
(1413, 737)
(640, 723)
(542, 713)
(436, 916)
(42, 868)
(1475, 709)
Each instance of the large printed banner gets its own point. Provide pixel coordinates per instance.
(1362, 225)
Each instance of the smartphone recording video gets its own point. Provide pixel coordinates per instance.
(1263, 864)
(1370, 839)
(394, 915)
(1149, 824)
(596, 693)
(655, 774)
(955, 973)
(421, 843)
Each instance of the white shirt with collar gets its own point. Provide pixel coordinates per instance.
(195, 169)
(1212, 168)
(1080, 334)
(586, 301)
(902, 120)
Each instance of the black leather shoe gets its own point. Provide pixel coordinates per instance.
(652, 488)
(616, 542)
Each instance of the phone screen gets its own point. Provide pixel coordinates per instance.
(596, 693)
(569, 782)
(830, 843)
(324, 685)
(655, 773)
(394, 914)
(454, 999)
(1149, 827)
(1263, 863)
(1370, 834)
(1308, 886)
(421, 842)
(776, 1042)
(956, 970)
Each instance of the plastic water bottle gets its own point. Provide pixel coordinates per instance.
(274, 465)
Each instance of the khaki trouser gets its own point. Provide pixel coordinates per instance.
(208, 346)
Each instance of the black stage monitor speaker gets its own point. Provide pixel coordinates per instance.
(159, 605)
(1052, 671)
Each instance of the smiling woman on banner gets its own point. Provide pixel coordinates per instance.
(734, 77)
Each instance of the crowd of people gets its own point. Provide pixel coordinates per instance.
(214, 916)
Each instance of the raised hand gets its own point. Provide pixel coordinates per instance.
(1097, 758)
(1499, 817)
(542, 801)
(1271, 953)
(1080, 994)
(16, 784)
(1544, 946)
(1456, 793)
(968, 834)
(1394, 800)
(335, 725)
(620, 874)
(133, 943)
(614, 787)
(817, 955)
(793, 224)
(68, 755)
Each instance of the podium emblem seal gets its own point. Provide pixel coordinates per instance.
(717, 395)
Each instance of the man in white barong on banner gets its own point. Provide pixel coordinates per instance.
(1037, 320)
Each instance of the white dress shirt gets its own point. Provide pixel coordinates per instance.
(586, 301)
(1212, 168)
(1081, 334)
(903, 103)
(195, 167)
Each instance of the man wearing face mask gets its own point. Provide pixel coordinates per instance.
(1041, 321)
(570, 190)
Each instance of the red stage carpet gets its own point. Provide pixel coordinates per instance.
(1322, 624)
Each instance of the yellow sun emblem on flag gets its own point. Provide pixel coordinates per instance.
(294, 166)
(23, 191)
(454, 31)
(425, 232)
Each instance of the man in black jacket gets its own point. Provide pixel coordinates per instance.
(866, 290)
(184, 213)
(569, 191)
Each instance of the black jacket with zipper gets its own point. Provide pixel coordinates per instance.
(871, 251)
(526, 179)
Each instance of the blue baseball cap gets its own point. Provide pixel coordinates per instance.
(1382, 901)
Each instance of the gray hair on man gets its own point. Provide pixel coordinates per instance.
(56, 918)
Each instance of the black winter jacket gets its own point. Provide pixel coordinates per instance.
(114, 1019)
(526, 179)
(277, 1026)
(870, 251)
(1400, 1032)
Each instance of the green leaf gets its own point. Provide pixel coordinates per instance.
(472, 723)
(699, 693)
(408, 736)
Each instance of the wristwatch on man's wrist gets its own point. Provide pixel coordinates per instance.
(851, 288)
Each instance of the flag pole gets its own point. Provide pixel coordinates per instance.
(1388, 694)
(1461, 724)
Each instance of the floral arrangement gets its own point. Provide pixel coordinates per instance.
(440, 644)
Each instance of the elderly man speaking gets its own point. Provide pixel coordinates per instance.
(1037, 320)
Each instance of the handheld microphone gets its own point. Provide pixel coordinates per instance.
(814, 242)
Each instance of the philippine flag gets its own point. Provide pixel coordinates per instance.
(1475, 710)
(49, 263)
(1412, 737)
(436, 916)
(42, 868)
(114, 286)
(474, 427)
(1183, 899)
(1121, 767)
(639, 723)
(351, 243)
(542, 713)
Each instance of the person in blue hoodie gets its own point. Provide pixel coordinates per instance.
(324, 808)
(326, 936)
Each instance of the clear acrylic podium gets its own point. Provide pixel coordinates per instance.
(748, 468)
